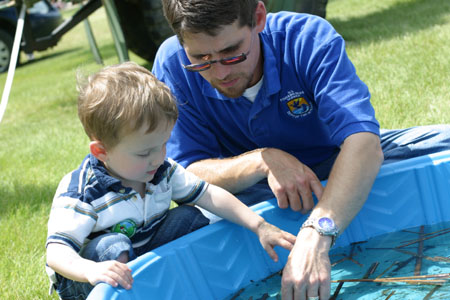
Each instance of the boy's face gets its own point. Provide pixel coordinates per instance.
(138, 155)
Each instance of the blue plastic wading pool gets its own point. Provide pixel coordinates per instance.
(220, 259)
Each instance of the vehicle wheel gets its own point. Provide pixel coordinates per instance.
(143, 25)
(6, 43)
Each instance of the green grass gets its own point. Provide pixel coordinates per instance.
(41, 139)
(400, 48)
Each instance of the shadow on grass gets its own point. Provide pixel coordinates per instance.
(25, 197)
(107, 52)
(397, 20)
(51, 55)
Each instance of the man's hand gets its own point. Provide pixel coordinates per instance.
(307, 271)
(291, 181)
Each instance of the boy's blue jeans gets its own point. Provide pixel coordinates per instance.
(178, 222)
(397, 144)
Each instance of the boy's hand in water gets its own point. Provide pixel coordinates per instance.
(271, 236)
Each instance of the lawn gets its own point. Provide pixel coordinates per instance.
(400, 48)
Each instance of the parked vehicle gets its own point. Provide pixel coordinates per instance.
(142, 22)
(145, 28)
(42, 18)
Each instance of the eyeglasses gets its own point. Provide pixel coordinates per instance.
(228, 61)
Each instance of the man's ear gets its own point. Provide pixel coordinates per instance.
(260, 17)
(98, 150)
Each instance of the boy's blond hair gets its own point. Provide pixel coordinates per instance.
(120, 99)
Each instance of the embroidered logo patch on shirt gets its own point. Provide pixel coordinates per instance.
(127, 227)
(297, 104)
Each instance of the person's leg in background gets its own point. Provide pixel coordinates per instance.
(401, 144)
(179, 221)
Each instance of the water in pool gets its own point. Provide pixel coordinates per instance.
(367, 268)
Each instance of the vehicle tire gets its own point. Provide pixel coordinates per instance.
(144, 26)
(6, 43)
(314, 7)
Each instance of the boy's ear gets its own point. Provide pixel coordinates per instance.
(98, 150)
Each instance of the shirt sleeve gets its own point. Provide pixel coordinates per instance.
(343, 99)
(186, 187)
(71, 220)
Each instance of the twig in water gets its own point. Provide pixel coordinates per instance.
(418, 266)
(384, 272)
(436, 279)
(424, 239)
(390, 295)
(350, 256)
(430, 293)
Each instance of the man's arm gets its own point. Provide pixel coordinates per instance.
(307, 271)
(291, 181)
(234, 174)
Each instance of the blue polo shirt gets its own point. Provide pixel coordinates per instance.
(311, 98)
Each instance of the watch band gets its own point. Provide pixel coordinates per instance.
(324, 226)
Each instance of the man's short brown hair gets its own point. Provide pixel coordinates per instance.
(207, 16)
(120, 99)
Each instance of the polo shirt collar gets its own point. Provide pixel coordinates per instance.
(101, 174)
(271, 72)
(114, 184)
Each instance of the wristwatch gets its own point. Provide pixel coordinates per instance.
(324, 226)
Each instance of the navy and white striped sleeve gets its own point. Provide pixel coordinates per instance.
(186, 187)
(71, 220)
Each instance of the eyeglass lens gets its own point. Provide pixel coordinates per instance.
(224, 61)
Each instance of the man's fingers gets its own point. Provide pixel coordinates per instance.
(282, 200)
(287, 292)
(313, 289)
(307, 199)
(295, 201)
(324, 291)
(317, 188)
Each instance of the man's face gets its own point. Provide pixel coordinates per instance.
(232, 40)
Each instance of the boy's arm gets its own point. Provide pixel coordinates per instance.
(68, 263)
(225, 205)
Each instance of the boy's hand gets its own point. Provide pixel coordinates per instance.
(271, 236)
(112, 272)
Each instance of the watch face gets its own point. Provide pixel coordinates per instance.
(326, 224)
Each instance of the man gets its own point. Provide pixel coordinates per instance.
(271, 103)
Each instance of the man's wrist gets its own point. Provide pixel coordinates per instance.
(262, 169)
(324, 226)
(311, 236)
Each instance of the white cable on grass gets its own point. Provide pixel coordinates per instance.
(13, 60)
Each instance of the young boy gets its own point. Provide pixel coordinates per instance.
(115, 206)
